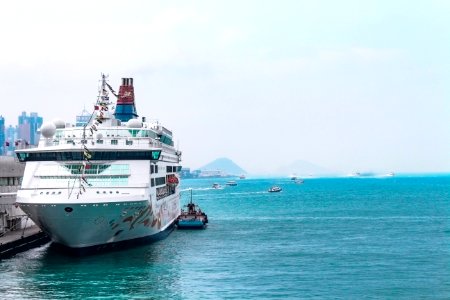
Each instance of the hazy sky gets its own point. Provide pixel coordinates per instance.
(347, 85)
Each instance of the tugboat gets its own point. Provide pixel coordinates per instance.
(192, 217)
(274, 189)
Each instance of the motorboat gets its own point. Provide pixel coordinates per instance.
(231, 183)
(275, 189)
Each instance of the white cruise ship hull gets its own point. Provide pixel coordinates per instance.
(102, 224)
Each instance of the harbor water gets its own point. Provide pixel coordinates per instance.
(335, 238)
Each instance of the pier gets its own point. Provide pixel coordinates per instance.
(13, 242)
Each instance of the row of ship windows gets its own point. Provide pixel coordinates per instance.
(169, 169)
(94, 182)
(113, 142)
(59, 193)
(83, 205)
(95, 155)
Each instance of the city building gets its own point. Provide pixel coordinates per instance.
(28, 128)
(10, 137)
(2, 136)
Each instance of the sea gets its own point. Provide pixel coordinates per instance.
(328, 238)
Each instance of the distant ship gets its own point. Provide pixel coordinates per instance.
(293, 176)
(112, 182)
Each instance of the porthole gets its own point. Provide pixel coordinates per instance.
(68, 209)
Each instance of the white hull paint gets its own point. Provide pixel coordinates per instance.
(94, 224)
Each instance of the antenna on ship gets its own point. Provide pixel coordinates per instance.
(98, 116)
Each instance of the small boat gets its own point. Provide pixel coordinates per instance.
(192, 217)
(298, 181)
(275, 189)
(242, 176)
(231, 183)
(216, 186)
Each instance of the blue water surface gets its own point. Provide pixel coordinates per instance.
(335, 238)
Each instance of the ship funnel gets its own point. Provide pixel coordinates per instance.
(125, 107)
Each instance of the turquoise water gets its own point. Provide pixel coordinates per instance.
(349, 238)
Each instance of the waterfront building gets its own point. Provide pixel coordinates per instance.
(11, 216)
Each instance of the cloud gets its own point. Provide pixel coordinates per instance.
(231, 35)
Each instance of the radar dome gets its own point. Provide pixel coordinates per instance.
(99, 136)
(59, 123)
(134, 123)
(48, 130)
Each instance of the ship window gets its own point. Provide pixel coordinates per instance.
(156, 168)
(129, 142)
(160, 180)
(113, 142)
(161, 192)
(153, 182)
(169, 169)
(99, 141)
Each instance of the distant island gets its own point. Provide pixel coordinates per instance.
(219, 168)
(224, 167)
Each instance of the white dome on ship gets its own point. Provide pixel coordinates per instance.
(134, 123)
(99, 136)
(59, 123)
(48, 129)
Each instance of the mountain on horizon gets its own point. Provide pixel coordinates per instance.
(303, 168)
(225, 165)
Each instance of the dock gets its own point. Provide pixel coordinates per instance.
(17, 241)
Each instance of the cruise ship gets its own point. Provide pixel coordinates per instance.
(112, 182)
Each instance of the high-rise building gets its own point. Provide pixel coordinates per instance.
(10, 138)
(2, 136)
(28, 128)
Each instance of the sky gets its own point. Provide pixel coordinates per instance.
(346, 85)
